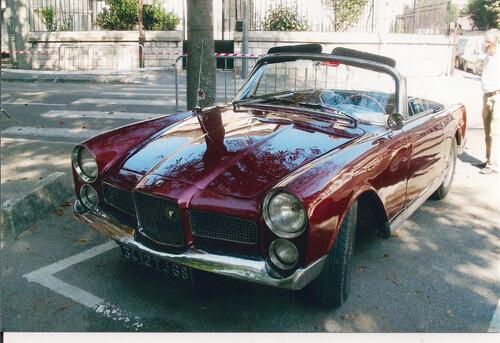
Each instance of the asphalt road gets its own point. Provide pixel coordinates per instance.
(439, 273)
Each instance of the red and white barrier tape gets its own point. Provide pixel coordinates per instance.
(26, 52)
(219, 54)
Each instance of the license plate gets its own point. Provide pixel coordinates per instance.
(152, 262)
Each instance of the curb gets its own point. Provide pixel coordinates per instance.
(19, 213)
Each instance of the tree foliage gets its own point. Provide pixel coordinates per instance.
(157, 19)
(48, 16)
(118, 15)
(123, 15)
(485, 14)
(346, 13)
(284, 18)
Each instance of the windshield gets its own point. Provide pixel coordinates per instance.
(323, 85)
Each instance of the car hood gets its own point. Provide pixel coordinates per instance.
(237, 152)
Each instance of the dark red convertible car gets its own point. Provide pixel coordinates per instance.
(273, 188)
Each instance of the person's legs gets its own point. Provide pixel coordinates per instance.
(494, 132)
(487, 127)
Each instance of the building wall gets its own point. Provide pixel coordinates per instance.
(103, 50)
(416, 55)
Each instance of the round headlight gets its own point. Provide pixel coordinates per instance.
(84, 164)
(284, 214)
(89, 197)
(283, 254)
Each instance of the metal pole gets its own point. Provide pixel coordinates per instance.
(244, 44)
(142, 37)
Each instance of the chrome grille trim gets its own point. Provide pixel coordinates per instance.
(109, 192)
(222, 227)
(152, 218)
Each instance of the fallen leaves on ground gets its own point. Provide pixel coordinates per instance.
(439, 209)
(59, 211)
(394, 280)
(396, 234)
(66, 204)
(361, 269)
(450, 313)
(82, 240)
(63, 307)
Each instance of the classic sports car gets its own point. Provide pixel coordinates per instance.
(273, 187)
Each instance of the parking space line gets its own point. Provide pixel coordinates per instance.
(495, 321)
(45, 277)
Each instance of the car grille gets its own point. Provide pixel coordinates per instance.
(160, 219)
(222, 227)
(118, 198)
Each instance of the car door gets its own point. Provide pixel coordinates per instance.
(425, 134)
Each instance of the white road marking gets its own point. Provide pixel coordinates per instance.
(149, 89)
(51, 132)
(28, 140)
(98, 114)
(145, 102)
(134, 94)
(23, 103)
(45, 277)
(495, 321)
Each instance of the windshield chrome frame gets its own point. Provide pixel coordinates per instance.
(400, 82)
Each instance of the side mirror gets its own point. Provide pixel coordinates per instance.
(395, 121)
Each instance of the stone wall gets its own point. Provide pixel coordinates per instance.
(103, 50)
(416, 55)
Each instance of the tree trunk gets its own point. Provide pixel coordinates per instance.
(200, 49)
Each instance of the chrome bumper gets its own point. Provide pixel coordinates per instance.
(235, 267)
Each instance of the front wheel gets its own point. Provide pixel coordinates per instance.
(451, 162)
(332, 287)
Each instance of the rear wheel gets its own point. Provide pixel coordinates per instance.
(333, 285)
(451, 163)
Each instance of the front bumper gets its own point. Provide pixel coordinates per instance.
(235, 267)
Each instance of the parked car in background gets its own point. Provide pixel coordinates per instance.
(273, 188)
(473, 56)
(460, 48)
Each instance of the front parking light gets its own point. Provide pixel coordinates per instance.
(89, 197)
(283, 254)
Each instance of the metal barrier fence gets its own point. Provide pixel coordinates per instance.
(229, 79)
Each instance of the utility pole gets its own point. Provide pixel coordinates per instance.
(200, 69)
(142, 37)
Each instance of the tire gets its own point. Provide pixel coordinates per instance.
(445, 186)
(332, 287)
(457, 63)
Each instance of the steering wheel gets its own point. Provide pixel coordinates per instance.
(369, 98)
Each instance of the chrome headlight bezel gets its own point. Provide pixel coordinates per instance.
(85, 198)
(269, 221)
(75, 159)
(276, 261)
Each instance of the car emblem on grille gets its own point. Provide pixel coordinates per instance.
(169, 213)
